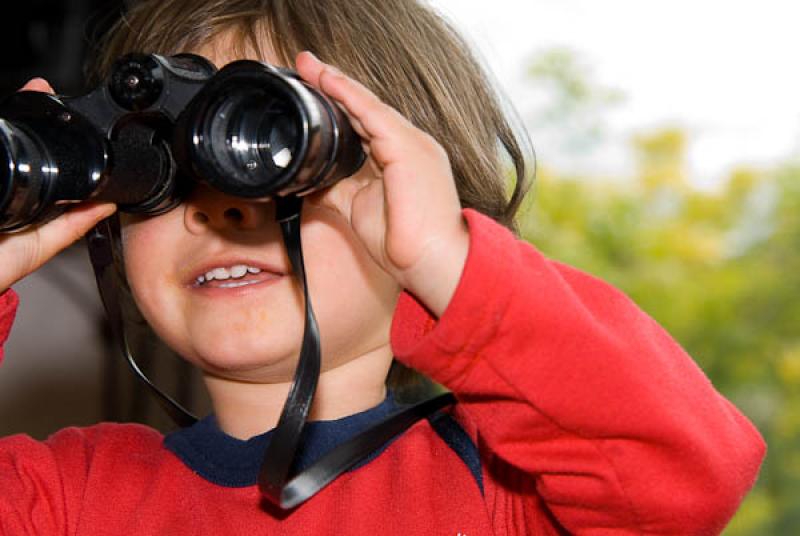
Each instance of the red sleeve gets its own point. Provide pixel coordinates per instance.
(8, 309)
(570, 383)
(33, 500)
(44, 484)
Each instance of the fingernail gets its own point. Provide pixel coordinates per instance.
(39, 84)
(106, 209)
(35, 81)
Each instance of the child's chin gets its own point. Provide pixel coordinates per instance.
(243, 341)
(252, 361)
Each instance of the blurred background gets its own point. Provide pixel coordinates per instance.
(668, 143)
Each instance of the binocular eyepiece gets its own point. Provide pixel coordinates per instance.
(158, 125)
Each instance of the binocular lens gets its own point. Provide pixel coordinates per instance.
(260, 133)
(50, 156)
(255, 131)
(27, 172)
(247, 138)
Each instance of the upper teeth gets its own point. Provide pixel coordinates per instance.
(236, 271)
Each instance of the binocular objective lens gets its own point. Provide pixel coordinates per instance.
(255, 137)
(27, 172)
(256, 132)
(262, 137)
(279, 132)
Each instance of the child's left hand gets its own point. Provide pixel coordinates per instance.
(403, 204)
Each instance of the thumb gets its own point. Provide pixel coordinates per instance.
(68, 228)
(25, 251)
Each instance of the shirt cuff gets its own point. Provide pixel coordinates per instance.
(444, 349)
(8, 309)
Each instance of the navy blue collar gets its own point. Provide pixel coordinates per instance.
(231, 462)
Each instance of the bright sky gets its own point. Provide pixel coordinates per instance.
(725, 70)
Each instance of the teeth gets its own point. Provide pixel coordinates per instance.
(235, 284)
(221, 273)
(234, 272)
(238, 271)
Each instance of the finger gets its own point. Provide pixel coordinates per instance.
(337, 198)
(38, 84)
(310, 68)
(358, 128)
(372, 116)
(69, 227)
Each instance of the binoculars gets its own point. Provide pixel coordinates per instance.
(159, 125)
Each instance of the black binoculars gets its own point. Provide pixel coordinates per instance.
(158, 125)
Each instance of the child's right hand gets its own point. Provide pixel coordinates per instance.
(23, 252)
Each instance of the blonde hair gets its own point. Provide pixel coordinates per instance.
(402, 50)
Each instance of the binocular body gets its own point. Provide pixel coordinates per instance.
(157, 126)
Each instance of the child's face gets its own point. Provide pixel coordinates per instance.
(253, 332)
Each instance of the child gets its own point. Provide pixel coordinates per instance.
(576, 413)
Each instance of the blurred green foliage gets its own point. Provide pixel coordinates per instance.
(720, 270)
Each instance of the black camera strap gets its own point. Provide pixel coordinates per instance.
(276, 481)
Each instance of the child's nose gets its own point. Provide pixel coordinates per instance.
(207, 209)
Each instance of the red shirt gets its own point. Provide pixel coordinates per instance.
(588, 419)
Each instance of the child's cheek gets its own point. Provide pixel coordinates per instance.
(133, 233)
(149, 244)
(144, 247)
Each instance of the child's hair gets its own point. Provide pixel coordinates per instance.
(400, 49)
(403, 51)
